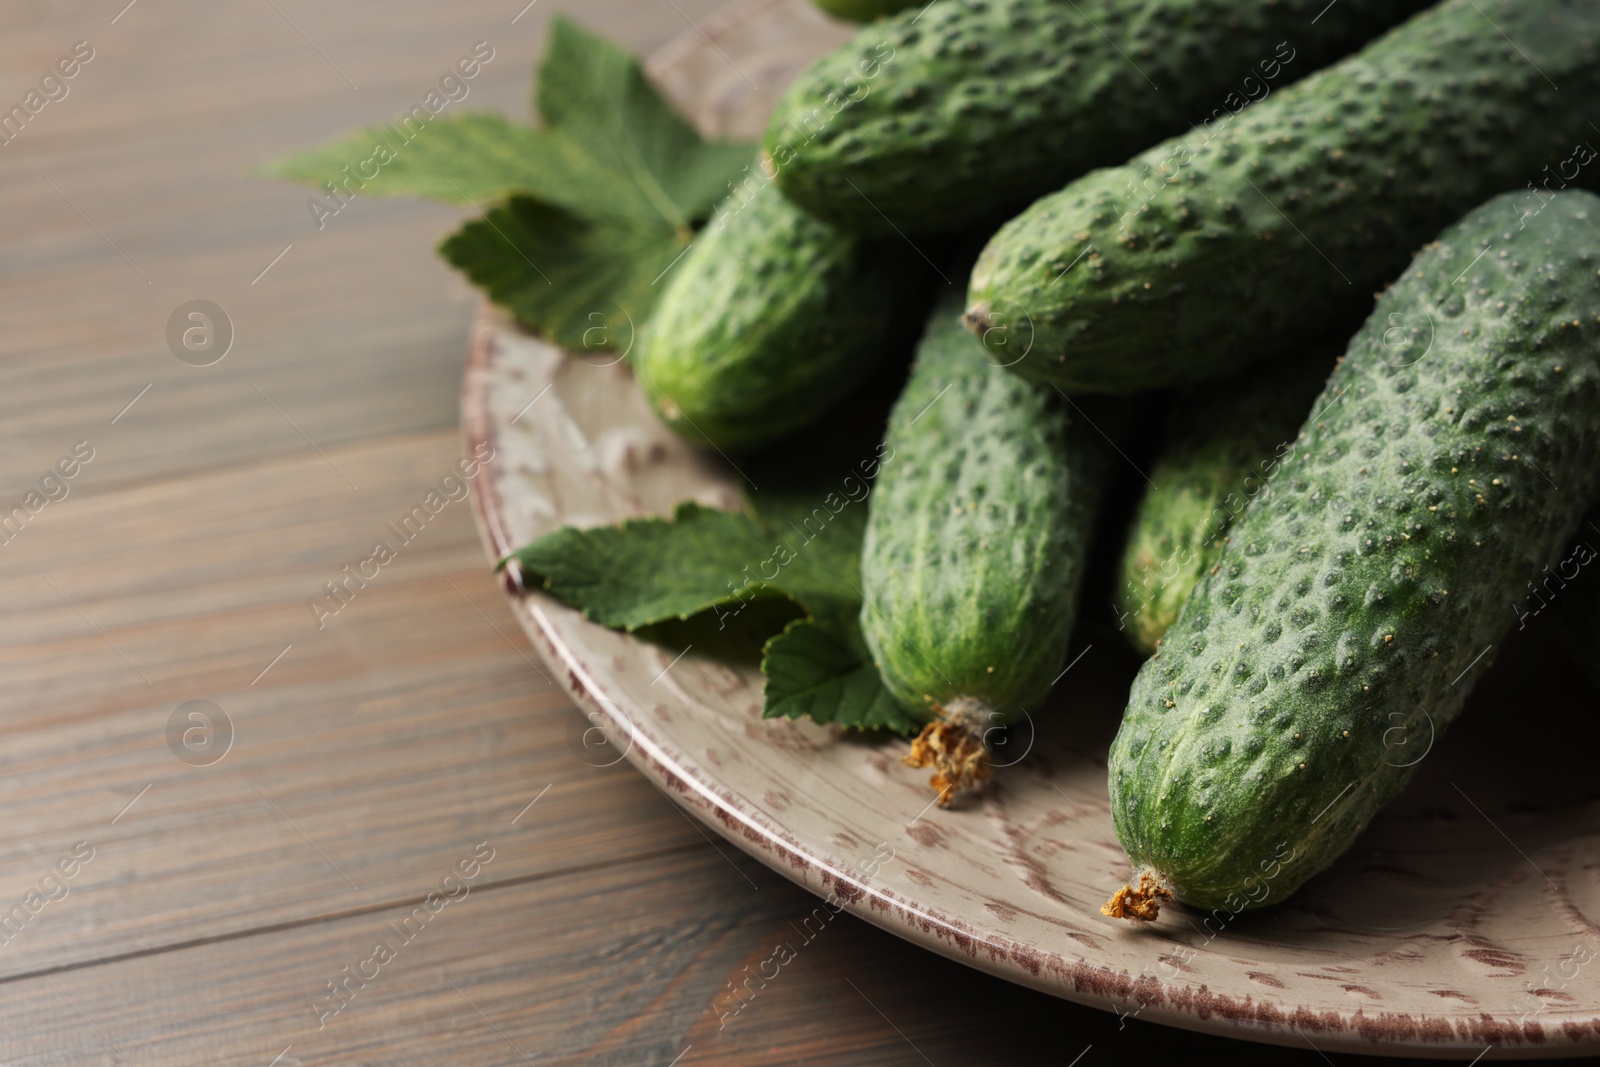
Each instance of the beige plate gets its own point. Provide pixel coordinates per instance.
(1465, 918)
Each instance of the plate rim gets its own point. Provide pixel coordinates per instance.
(1175, 1002)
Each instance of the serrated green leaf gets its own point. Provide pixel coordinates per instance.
(725, 568)
(739, 640)
(611, 149)
(649, 570)
(600, 201)
(472, 158)
(647, 162)
(816, 671)
(702, 559)
(583, 283)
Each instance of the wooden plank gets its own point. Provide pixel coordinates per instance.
(416, 715)
(649, 962)
(357, 331)
(524, 955)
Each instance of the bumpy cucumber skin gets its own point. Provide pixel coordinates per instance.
(770, 320)
(1223, 441)
(864, 10)
(944, 116)
(1296, 210)
(977, 531)
(1356, 598)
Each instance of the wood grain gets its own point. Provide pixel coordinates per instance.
(379, 750)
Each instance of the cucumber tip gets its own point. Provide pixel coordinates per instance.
(977, 317)
(954, 749)
(1141, 904)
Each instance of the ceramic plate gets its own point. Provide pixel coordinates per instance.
(1465, 918)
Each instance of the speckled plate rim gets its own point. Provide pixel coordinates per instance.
(1173, 1002)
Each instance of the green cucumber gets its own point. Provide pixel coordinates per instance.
(1455, 449)
(865, 10)
(948, 114)
(1174, 268)
(977, 534)
(1222, 442)
(770, 319)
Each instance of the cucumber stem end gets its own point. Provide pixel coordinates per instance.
(1140, 905)
(953, 746)
(977, 317)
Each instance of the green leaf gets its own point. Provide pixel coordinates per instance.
(703, 559)
(611, 148)
(472, 158)
(600, 202)
(632, 182)
(739, 640)
(826, 675)
(586, 284)
(726, 568)
(645, 162)
(650, 570)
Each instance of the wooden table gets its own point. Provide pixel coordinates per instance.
(223, 907)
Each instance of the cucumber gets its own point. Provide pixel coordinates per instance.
(949, 114)
(1222, 442)
(1176, 267)
(865, 10)
(1360, 593)
(977, 534)
(769, 320)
